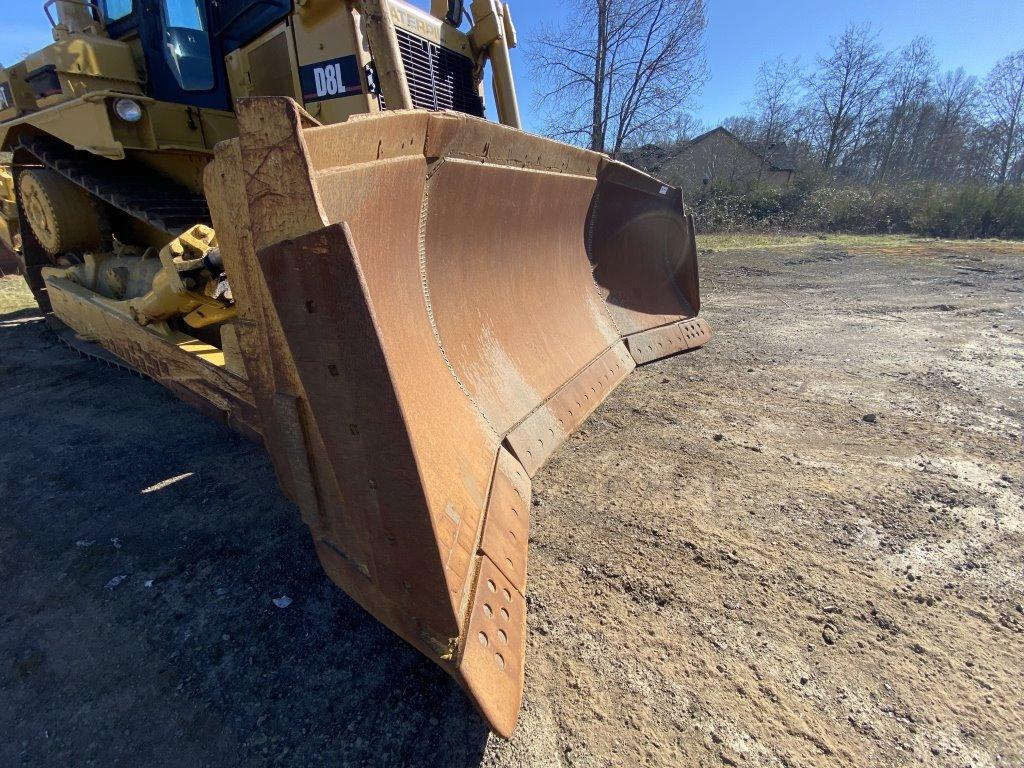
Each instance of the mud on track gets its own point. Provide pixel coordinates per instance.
(729, 563)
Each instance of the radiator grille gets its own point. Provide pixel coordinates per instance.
(439, 78)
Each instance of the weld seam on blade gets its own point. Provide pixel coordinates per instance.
(432, 168)
(593, 221)
(478, 544)
(425, 289)
(513, 439)
(361, 568)
(559, 389)
(515, 165)
(467, 608)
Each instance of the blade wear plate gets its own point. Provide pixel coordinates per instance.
(432, 304)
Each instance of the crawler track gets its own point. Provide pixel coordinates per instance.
(127, 185)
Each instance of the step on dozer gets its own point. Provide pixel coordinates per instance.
(429, 304)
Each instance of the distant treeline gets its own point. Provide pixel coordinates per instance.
(923, 208)
(863, 115)
(882, 141)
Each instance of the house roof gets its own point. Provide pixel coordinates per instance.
(779, 156)
(648, 157)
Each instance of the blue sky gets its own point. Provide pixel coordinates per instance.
(971, 34)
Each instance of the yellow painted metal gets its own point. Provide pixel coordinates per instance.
(75, 17)
(324, 30)
(8, 215)
(60, 213)
(493, 34)
(428, 304)
(86, 63)
(193, 371)
(380, 33)
(205, 352)
(84, 123)
(255, 68)
(151, 291)
(15, 96)
(94, 70)
(175, 294)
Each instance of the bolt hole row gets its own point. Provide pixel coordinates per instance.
(484, 640)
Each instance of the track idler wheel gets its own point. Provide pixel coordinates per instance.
(61, 214)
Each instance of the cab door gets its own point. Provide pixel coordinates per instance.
(183, 58)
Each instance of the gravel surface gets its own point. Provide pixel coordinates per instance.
(800, 546)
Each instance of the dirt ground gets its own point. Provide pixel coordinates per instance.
(800, 546)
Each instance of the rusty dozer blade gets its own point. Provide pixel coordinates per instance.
(430, 304)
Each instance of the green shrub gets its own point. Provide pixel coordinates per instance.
(918, 208)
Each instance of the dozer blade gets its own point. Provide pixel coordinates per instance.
(430, 304)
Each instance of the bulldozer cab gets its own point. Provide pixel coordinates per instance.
(139, 78)
(205, 54)
(184, 42)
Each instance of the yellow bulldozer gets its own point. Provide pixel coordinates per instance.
(293, 214)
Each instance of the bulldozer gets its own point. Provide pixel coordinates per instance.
(295, 215)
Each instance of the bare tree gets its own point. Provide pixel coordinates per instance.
(843, 91)
(744, 127)
(861, 113)
(775, 91)
(620, 71)
(1004, 92)
(774, 105)
(953, 100)
(910, 76)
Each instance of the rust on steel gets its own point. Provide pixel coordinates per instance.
(429, 305)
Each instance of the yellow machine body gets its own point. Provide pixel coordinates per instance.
(410, 307)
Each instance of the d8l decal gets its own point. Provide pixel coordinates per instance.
(330, 79)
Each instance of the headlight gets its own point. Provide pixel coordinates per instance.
(128, 110)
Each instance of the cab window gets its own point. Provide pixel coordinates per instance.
(183, 14)
(187, 44)
(115, 10)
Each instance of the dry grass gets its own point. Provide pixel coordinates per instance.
(14, 295)
(895, 244)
